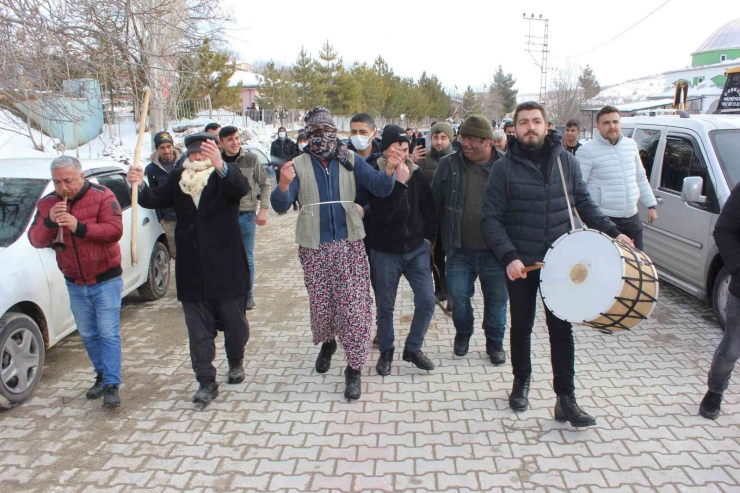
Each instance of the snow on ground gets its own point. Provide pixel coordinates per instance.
(117, 141)
(633, 90)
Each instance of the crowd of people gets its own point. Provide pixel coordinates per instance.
(482, 203)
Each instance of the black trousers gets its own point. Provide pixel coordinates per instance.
(631, 227)
(440, 276)
(204, 320)
(522, 305)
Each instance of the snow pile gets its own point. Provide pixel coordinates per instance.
(631, 90)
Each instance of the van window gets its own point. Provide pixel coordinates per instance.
(118, 185)
(727, 146)
(647, 142)
(681, 160)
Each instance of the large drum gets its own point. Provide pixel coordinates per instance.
(591, 279)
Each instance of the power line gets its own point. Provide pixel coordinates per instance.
(620, 34)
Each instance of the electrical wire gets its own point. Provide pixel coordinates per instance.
(620, 34)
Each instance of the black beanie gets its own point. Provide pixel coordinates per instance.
(393, 134)
(162, 138)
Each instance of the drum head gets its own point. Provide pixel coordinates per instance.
(582, 275)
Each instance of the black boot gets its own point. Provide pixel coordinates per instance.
(462, 344)
(96, 390)
(236, 371)
(206, 393)
(419, 359)
(384, 362)
(519, 397)
(250, 303)
(352, 380)
(496, 352)
(323, 362)
(710, 405)
(566, 409)
(111, 399)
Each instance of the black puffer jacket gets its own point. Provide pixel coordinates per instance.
(727, 237)
(523, 213)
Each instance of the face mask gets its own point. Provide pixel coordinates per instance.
(361, 142)
(302, 146)
(281, 135)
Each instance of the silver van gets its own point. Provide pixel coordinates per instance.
(693, 164)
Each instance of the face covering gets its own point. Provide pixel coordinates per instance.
(281, 135)
(322, 142)
(361, 142)
(302, 146)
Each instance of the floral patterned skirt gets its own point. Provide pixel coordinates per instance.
(338, 283)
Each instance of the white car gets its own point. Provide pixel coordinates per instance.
(34, 303)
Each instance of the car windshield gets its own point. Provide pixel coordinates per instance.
(18, 197)
(727, 146)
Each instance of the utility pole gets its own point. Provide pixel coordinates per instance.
(537, 47)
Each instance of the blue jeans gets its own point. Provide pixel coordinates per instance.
(97, 313)
(728, 350)
(462, 270)
(387, 269)
(249, 227)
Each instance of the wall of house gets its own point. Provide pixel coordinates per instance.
(73, 120)
(710, 57)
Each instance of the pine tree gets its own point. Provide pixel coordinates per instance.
(330, 66)
(306, 80)
(276, 89)
(503, 88)
(589, 84)
(470, 103)
(212, 70)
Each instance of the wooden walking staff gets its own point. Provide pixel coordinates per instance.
(135, 190)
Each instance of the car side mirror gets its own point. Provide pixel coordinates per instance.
(691, 191)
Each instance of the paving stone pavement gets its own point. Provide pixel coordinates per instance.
(287, 428)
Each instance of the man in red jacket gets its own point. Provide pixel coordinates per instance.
(90, 260)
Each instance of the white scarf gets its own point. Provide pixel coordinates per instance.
(195, 178)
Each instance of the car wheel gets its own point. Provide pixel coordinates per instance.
(158, 280)
(22, 354)
(720, 292)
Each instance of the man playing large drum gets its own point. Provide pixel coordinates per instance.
(524, 211)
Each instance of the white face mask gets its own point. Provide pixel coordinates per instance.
(302, 146)
(361, 142)
(281, 135)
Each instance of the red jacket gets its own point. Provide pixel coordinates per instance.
(92, 254)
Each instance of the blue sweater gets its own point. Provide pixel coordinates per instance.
(333, 221)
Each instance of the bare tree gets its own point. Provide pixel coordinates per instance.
(124, 44)
(565, 97)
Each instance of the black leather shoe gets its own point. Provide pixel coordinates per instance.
(352, 380)
(566, 409)
(110, 397)
(710, 405)
(496, 352)
(250, 303)
(323, 362)
(236, 372)
(384, 362)
(206, 393)
(419, 359)
(96, 390)
(462, 344)
(519, 397)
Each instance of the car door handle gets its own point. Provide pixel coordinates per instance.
(145, 221)
(659, 200)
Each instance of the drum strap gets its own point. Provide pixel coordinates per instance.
(571, 209)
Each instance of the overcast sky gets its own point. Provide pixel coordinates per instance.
(463, 42)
